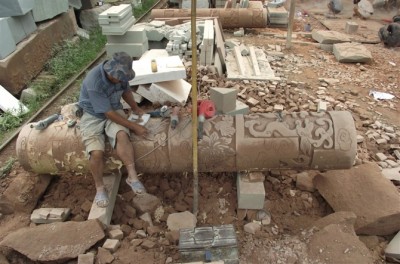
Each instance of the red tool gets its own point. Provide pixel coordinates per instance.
(205, 110)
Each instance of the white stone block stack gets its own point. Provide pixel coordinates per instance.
(16, 23)
(117, 23)
(207, 46)
(47, 9)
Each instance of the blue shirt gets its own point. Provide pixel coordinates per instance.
(99, 95)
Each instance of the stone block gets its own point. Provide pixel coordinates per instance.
(10, 8)
(104, 214)
(18, 69)
(134, 34)
(87, 258)
(28, 94)
(168, 69)
(176, 91)
(21, 26)
(224, 99)
(240, 109)
(352, 52)
(77, 4)
(118, 28)
(329, 37)
(135, 50)
(7, 43)
(47, 9)
(322, 106)
(111, 245)
(393, 248)
(116, 234)
(11, 104)
(351, 27)
(177, 221)
(154, 53)
(252, 228)
(251, 195)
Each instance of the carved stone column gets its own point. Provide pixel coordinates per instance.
(230, 143)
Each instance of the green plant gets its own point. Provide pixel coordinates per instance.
(5, 170)
(141, 9)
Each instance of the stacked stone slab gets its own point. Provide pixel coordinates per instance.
(47, 9)
(180, 42)
(16, 23)
(116, 20)
(207, 46)
(277, 16)
(117, 23)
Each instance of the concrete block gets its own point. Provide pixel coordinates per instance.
(240, 109)
(251, 195)
(11, 104)
(49, 215)
(118, 28)
(28, 94)
(111, 245)
(87, 258)
(393, 248)
(135, 50)
(175, 91)
(104, 214)
(351, 27)
(7, 43)
(21, 26)
(224, 99)
(116, 234)
(18, 69)
(168, 69)
(10, 8)
(133, 35)
(46, 9)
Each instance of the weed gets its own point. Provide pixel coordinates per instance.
(5, 170)
(139, 10)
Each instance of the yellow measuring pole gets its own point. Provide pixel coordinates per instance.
(194, 111)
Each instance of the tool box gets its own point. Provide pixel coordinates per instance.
(209, 244)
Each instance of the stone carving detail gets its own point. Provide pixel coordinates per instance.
(229, 143)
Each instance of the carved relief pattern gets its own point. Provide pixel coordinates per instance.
(216, 147)
(344, 139)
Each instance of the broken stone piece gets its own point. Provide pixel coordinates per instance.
(178, 221)
(111, 245)
(50, 215)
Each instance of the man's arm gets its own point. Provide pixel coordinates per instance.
(136, 128)
(130, 100)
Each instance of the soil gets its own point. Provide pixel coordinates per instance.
(292, 210)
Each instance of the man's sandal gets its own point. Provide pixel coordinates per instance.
(101, 199)
(137, 187)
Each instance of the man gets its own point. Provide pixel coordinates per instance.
(363, 9)
(103, 115)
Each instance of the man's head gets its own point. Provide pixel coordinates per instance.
(120, 67)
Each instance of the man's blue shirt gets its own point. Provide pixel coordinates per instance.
(99, 95)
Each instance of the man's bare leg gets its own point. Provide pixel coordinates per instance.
(97, 167)
(125, 153)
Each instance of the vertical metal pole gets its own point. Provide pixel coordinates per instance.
(194, 111)
(290, 25)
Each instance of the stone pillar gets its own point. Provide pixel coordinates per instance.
(230, 143)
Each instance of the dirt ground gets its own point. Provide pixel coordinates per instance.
(285, 239)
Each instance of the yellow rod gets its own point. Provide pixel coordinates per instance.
(194, 111)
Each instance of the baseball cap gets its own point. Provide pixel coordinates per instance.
(120, 67)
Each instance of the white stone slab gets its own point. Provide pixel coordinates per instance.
(115, 11)
(104, 215)
(118, 28)
(176, 91)
(106, 20)
(154, 53)
(168, 69)
(15, 7)
(9, 103)
(242, 68)
(45, 9)
(393, 249)
(49, 215)
(135, 50)
(7, 43)
(133, 35)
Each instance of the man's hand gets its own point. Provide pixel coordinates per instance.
(139, 111)
(138, 129)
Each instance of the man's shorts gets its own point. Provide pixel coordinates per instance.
(94, 129)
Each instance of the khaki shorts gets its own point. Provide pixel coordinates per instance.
(94, 129)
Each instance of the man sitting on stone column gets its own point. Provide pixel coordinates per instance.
(103, 115)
